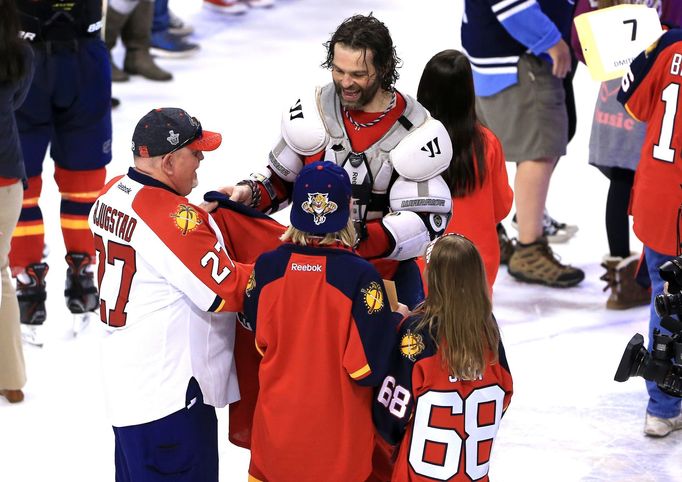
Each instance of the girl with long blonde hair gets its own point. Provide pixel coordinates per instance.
(450, 362)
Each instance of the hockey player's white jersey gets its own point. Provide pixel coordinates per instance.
(163, 275)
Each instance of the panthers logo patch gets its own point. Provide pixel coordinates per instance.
(373, 297)
(251, 284)
(319, 205)
(186, 219)
(411, 345)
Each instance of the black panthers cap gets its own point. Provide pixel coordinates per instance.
(169, 129)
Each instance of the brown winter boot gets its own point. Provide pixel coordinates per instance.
(13, 396)
(536, 263)
(620, 278)
(136, 35)
(114, 24)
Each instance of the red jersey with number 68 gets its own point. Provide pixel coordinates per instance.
(652, 92)
(447, 426)
(164, 278)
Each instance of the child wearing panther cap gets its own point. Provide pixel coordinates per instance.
(324, 328)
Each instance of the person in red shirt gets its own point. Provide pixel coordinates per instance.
(477, 175)
(325, 330)
(449, 382)
(650, 92)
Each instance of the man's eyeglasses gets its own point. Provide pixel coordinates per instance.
(198, 131)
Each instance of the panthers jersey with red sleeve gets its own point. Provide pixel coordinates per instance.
(447, 426)
(247, 233)
(163, 276)
(651, 93)
(325, 331)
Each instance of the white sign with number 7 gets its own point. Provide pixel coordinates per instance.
(612, 37)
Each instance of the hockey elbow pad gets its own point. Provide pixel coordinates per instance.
(284, 162)
(430, 196)
(408, 232)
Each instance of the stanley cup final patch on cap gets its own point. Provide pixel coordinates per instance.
(319, 205)
(186, 219)
(173, 138)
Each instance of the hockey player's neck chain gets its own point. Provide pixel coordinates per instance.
(358, 125)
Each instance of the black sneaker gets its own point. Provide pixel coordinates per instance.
(553, 230)
(31, 294)
(80, 292)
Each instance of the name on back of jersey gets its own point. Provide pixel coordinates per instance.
(114, 221)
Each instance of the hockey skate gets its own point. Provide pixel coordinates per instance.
(31, 296)
(80, 292)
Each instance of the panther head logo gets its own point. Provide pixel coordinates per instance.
(319, 205)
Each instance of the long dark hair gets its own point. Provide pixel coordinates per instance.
(11, 58)
(366, 32)
(446, 89)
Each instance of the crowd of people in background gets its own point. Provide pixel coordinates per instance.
(370, 197)
(148, 29)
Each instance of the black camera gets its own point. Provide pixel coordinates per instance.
(670, 303)
(664, 364)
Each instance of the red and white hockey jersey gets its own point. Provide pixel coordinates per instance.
(164, 278)
(651, 93)
(447, 426)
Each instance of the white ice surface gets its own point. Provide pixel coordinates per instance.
(568, 420)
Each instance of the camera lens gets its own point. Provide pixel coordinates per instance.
(662, 306)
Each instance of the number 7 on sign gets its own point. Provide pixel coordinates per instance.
(633, 21)
(612, 37)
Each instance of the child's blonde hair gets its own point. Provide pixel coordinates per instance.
(346, 236)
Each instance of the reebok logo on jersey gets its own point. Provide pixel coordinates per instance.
(306, 267)
(123, 188)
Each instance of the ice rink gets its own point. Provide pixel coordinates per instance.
(568, 420)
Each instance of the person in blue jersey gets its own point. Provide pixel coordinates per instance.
(520, 56)
(325, 329)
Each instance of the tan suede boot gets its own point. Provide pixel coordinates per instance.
(537, 263)
(136, 35)
(620, 278)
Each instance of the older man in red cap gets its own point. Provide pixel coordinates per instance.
(164, 274)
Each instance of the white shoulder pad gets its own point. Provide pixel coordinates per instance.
(303, 128)
(284, 161)
(409, 232)
(423, 153)
(430, 196)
